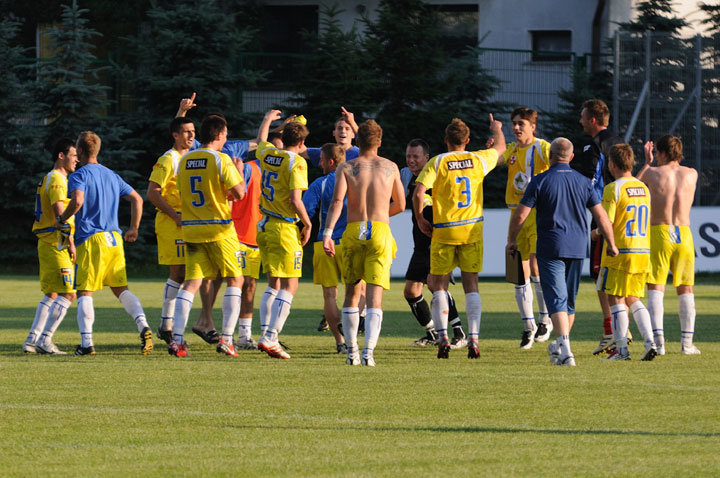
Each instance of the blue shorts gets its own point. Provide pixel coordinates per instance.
(560, 279)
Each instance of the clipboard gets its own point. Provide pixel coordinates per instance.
(513, 268)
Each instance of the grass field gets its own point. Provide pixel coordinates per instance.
(508, 413)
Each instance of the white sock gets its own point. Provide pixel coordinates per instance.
(542, 308)
(350, 323)
(473, 306)
(657, 310)
(183, 304)
(620, 323)
(279, 314)
(523, 298)
(168, 306)
(563, 342)
(642, 319)
(231, 311)
(57, 314)
(41, 314)
(440, 308)
(85, 319)
(373, 323)
(686, 311)
(245, 328)
(134, 308)
(266, 302)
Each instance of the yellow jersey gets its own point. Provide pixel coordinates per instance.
(524, 163)
(456, 179)
(282, 172)
(627, 203)
(163, 173)
(52, 188)
(203, 177)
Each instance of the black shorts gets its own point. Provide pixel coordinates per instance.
(419, 266)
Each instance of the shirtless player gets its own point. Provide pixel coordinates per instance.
(369, 181)
(672, 189)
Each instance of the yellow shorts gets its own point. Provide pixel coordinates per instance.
(671, 250)
(57, 272)
(527, 238)
(207, 260)
(327, 271)
(171, 247)
(100, 262)
(280, 247)
(250, 261)
(444, 258)
(621, 283)
(368, 249)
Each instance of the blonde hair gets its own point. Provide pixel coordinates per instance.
(333, 151)
(622, 156)
(88, 144)
(457, 132)
(369, 135)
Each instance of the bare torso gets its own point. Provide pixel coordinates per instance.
(672, 190)
(370, 180)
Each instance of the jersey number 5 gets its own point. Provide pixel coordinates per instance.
(640, 216)
(465, 181)
(194, 183)
(268, 191)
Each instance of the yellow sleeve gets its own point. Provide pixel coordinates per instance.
(427, 176)
(608, 201)
(57, 189)
(298, 174)
(490, 156)
(545, 152)
(161, 172)
(229, 174)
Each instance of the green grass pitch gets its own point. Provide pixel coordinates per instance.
(508, 413)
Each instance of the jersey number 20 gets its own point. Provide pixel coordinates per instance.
(638, 223)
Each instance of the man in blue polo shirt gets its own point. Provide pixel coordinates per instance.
(560, 196)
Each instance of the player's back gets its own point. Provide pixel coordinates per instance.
(627, 202)
(369, 188)
(673, 191)
(282, 171)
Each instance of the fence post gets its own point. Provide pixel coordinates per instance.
(648, 99)
(616, 86)
(698, 117)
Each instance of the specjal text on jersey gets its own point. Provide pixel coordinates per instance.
(196, 164)
(464, 164)
(273, 160)
(635, 192)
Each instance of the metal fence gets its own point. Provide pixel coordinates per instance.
(669, 85)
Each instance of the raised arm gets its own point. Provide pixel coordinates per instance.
(336, 205)
(349, 118)
(136, 203)
(498, 136)
(264, 128)
(648, 147)
(186, 104)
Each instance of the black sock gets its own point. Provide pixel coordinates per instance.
(454, 319)
(420, 310)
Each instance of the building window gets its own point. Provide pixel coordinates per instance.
(458, 27)
(551, 45)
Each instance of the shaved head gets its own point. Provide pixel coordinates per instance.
(561, 150)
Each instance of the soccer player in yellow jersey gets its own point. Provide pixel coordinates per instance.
(526, 158)
(456, 179)
(204, 178)
(368, 248)
(284, 177)
(622, 278)
(56, 258)
(671, 244)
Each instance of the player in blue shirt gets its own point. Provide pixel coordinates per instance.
(344, 132)
(95, 193)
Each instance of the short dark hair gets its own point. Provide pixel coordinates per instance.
(274, 135)
(293, 134)
(211, 127)
(333, 151)
(598, 109)
(414, 143)
(622, 156)
(369, 135)
(176, 124)
(62, 146)
(528, 114)
(671, 146)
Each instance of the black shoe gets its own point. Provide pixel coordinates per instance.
(542, 333)
(165, 335)
(473, 351)
(361, 325)
(80, 350)
(443, 349)
(146, 341)
(342, 348)
(323, 325)
(527, 340)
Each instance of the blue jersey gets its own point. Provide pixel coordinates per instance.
(320, 194)
(561, 196)
(314, 155)
(102, 189)
(237, 148)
